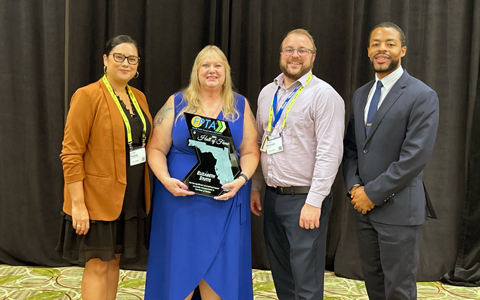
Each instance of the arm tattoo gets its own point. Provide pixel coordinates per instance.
(252, 117)
(162, 114)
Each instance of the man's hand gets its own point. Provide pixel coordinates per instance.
(255, 204)
(360, 200)
(310, 217)
(353, 189)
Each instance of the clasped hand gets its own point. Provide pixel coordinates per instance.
(360, 200)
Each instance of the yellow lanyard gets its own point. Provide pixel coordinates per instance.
(270, 117)
(124, 117)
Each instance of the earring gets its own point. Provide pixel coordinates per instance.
(136, 76)
(104, 69)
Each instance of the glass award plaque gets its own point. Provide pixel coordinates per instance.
(217, 159)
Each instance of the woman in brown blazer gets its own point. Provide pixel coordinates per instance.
(107, 188)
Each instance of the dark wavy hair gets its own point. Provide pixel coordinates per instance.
(120, 40)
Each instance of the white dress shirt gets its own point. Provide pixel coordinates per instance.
(388, 82)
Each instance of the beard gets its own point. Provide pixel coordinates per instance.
(391, 67)
(306, 67)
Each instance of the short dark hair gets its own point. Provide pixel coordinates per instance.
(390, 25)
(120, 40)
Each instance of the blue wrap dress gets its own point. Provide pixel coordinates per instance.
(197, 237)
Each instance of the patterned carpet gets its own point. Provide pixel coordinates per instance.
(34, 283)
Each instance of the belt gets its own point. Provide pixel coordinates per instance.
(290, 190)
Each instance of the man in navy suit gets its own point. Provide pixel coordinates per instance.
(389, 139)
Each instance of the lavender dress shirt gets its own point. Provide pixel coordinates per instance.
(312, 138)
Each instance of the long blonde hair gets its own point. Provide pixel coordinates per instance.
(191, 94)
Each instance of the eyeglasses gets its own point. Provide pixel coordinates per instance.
(301, 51)
(120, 57)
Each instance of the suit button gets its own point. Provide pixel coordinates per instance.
(365, 151)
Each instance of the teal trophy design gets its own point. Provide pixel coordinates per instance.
(217, 158)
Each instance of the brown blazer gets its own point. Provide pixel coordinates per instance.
(94, 151)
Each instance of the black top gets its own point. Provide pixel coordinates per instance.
(134, 200)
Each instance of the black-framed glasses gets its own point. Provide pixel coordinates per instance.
(301, 51)
(120, 57)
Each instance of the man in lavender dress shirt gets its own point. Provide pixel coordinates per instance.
(301, 124)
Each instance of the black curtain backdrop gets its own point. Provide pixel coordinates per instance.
(31, 122)
(443, 40)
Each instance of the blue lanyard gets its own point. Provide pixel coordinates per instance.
(278, 114)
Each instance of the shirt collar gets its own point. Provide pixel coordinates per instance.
(389, 80)
(279, 79)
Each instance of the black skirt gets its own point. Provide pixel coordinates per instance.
(104, 239)
(127, 235)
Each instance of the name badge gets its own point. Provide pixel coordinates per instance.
(274, 145)
(263, 146)
(138, 156)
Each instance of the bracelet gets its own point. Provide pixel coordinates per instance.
(244, 177)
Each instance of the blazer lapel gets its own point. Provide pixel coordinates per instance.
(392, 97)
(118, 133)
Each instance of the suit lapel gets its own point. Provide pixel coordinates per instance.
(392, 97)
(360, 111)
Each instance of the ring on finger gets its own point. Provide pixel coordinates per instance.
(312, 226)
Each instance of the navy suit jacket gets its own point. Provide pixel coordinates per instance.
(389, 161)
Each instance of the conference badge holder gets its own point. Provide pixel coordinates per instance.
(137, 156)
(274, 145)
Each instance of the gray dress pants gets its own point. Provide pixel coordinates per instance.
(296, 255)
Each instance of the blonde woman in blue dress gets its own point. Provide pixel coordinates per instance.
(200, 246)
